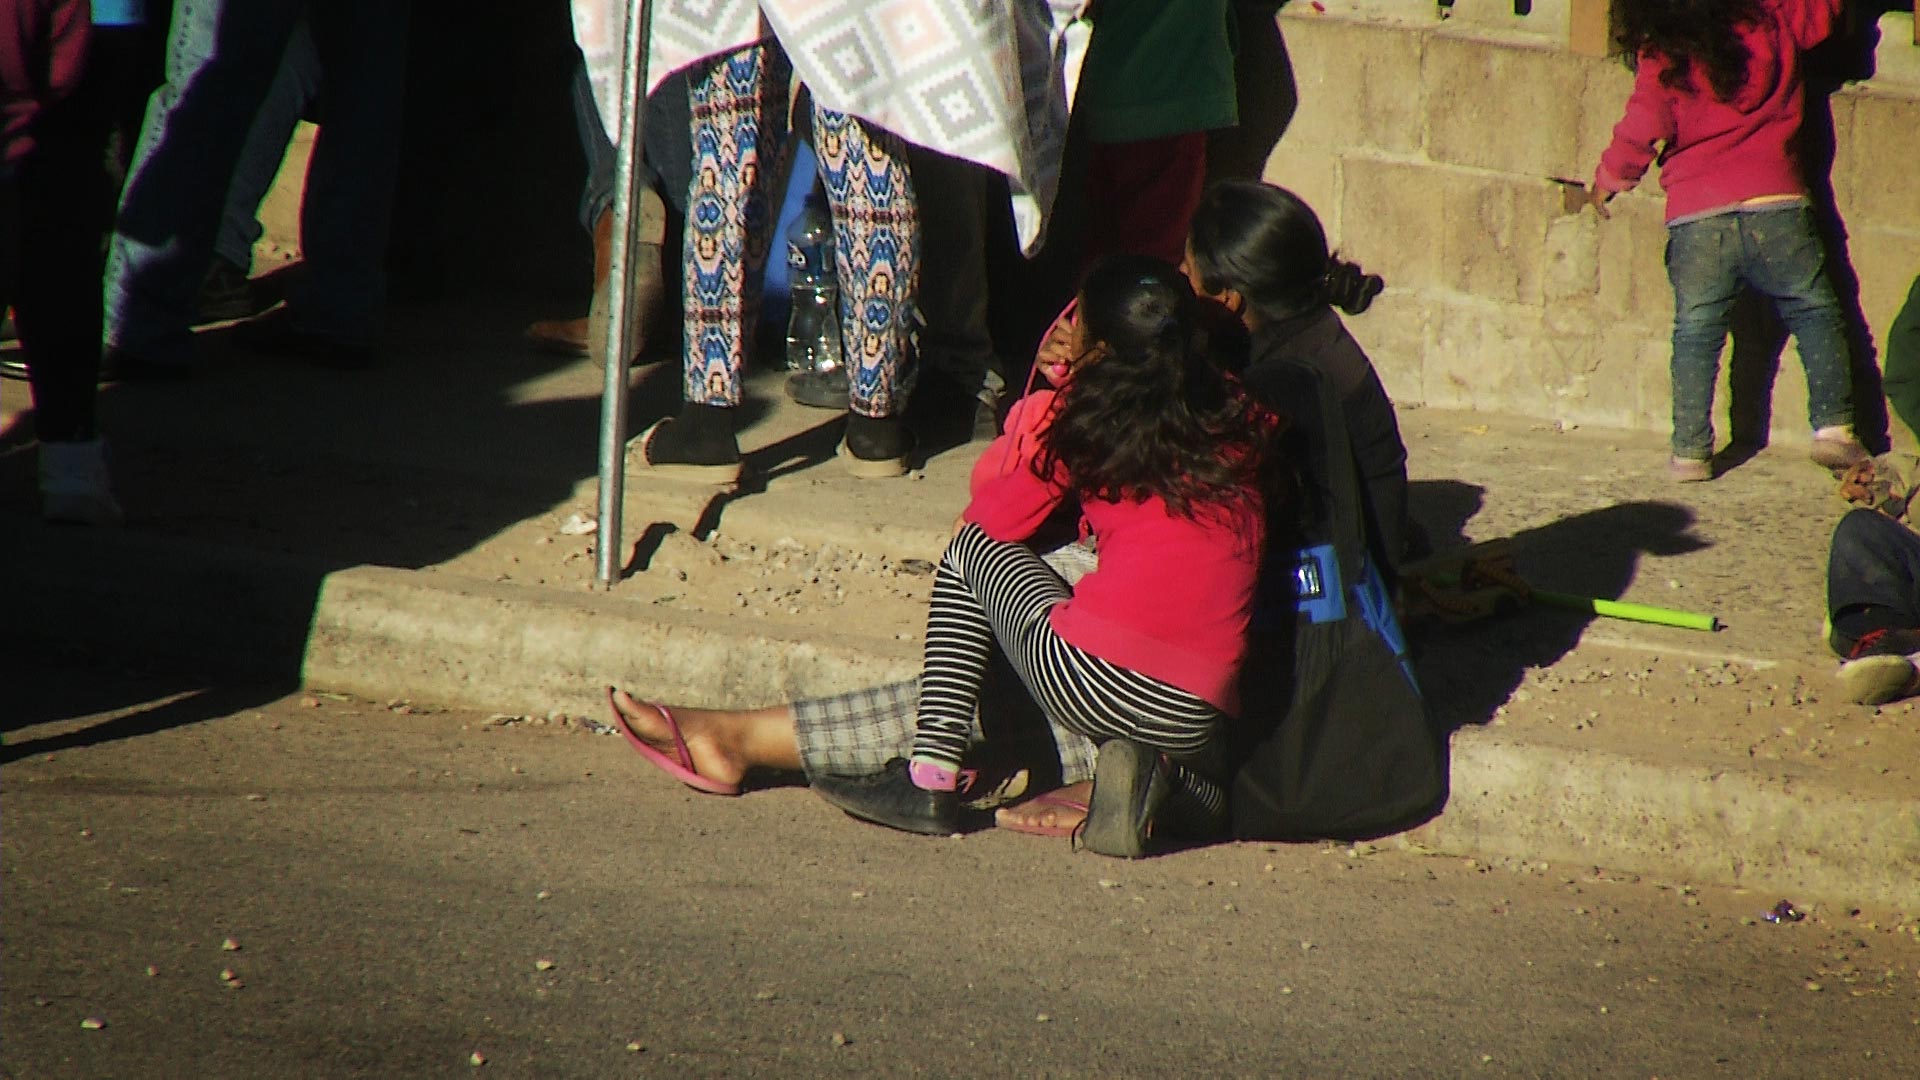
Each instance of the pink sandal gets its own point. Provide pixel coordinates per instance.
(680, 765)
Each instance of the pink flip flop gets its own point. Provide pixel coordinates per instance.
(1049, 798)
(679, 766)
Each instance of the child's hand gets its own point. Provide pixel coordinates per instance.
(1598, 198)
(1058, 350)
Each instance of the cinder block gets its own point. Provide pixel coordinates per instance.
(1487, 356)
(1633, 262)
(1605, 85)
(1570, 269)
(1360, 84)
(1876, 183)
(1547, 19)
(1494, 234)
(1508, 107)
(1391, 218)
(1886, 263)
(1397, 333)
(1312, 174)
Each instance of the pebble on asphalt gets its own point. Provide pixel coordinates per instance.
(94, 1023)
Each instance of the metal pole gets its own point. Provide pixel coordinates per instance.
(619, 343)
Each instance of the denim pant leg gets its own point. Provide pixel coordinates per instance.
(1784, 258)
(1874, 561)
(348, 206)
(294, 90)
(1703, 262)
(222, 56)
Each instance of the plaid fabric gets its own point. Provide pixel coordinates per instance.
(858, 732)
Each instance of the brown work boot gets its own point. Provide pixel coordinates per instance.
(570, 337)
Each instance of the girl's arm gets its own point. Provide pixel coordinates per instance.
(1009, 501)
(1647, 123)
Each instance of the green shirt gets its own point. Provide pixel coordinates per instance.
(1902, 379)
(1157, 68)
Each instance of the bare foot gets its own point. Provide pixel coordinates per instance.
(1053, 813)
(715, 757)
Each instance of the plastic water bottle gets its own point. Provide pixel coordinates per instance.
(813, 314)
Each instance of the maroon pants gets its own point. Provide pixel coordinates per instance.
(1141, 196)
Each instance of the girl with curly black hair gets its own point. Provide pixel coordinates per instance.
(1718, 100)
(1165, 457)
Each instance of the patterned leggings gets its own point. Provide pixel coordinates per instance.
(985, 590)
(740, 142)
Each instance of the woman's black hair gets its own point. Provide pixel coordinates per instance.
(1150, 414)
(1689, 33)
(1266, 243)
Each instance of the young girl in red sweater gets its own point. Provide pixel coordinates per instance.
(1165, 458)
(1718, 99)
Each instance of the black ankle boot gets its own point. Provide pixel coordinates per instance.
(698, 445)
(876, 446)
(1130, 787)
(891, 798)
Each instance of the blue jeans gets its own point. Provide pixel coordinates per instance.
(295, 89)
(222, 59)
(1778, 254)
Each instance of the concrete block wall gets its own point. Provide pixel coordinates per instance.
(1441, 154)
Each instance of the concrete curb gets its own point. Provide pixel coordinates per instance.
(383, 633)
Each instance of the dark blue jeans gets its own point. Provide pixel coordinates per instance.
(1874, 563)
(1778, 254)
(222, 59)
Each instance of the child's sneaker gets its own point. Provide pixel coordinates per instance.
(74, 486)
(1880, 667)
(1837, 448)
(1686, 470)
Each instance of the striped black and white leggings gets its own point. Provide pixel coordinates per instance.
(986, 590)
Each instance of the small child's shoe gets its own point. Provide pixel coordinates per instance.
(1837, 447)
(1686, 470)
(75, 488)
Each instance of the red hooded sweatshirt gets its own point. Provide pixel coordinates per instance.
(43, 52)
(1717, 154)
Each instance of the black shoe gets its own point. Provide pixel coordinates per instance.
(944, 414)
(685, 449)
(225, 295)
(820, 389)
(876, 447)
(891, 798)
(1130, 786)
(275, 335)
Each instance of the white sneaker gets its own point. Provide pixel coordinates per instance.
(74, 486)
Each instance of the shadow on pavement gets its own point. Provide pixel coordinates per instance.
(1468, 671)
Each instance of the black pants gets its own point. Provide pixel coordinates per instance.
(1873, 578)
(55, 209)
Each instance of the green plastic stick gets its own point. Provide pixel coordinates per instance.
(1616, 609)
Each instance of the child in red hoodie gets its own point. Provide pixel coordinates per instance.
(1718, 99)
(1165, 459)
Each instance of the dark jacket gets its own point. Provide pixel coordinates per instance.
(1318, 339)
